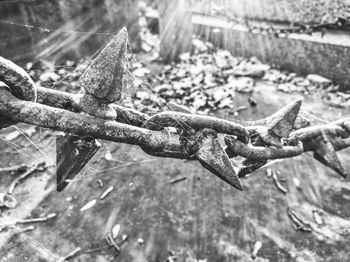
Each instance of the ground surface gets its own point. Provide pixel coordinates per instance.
(199, 219)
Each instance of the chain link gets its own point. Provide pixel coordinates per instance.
(285, 134)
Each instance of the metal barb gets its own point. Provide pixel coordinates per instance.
(104, 77)
(280, 124)
(283, 120)
(325, 153)
(103, 80)
(214, 158)
(250, 165)
(72, 154)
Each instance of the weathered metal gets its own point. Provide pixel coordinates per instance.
(94, 114)
(196, 122)
(22, 86)
(212, 156)
(72, 154)
(261, 152)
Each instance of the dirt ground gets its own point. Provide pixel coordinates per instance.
(198, 219)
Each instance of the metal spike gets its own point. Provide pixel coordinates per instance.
(282, 122)
(73, 153)
(214, 158)
(249, 166)
(105, 76)
(325, 153)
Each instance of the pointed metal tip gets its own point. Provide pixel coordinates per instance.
(213, 157)
(61, 186)
(122, 35)
(333, 164)
(124, 30)
(104, 77)
(282, 122)
(72, 154)
(325, 153)
(249, 166)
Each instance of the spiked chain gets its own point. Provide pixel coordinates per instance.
(94, 114)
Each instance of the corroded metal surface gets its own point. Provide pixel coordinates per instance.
(212, 156)
(107, 70)
(72, 154)
(22, 86)
(282, 135)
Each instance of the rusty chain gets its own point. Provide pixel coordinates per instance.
(95, 114)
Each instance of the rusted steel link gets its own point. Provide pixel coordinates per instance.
(333, 129)
(338, 144)
(72, 102)
(300, 122)
(132, 117)
(79, 124)
(260, 152)
(22, 86)
(58, 99)
(196, 122)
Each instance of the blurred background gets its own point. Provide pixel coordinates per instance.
(238, 60)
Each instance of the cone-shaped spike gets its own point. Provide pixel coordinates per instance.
(177, 108)
(73, 153)
(325, 153)
(214, 158)
(249, 166)
(104, 76)
(282, 122)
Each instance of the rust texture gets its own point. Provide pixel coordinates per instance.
(107, 70)
(94, 114)
(22, 86)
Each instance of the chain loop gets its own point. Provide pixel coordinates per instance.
(281, 135)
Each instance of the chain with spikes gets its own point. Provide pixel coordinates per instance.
(94, 114)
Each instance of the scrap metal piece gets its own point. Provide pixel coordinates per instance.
(325, 153)
(73, 153)
(213, 157)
